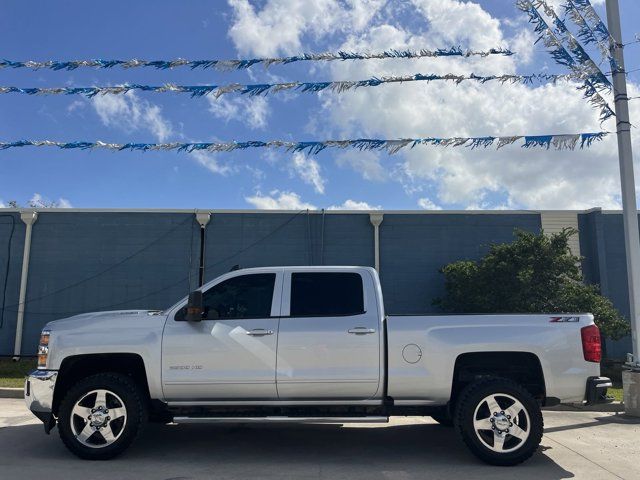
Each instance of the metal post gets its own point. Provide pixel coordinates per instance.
(203, 219)
(29, 218)
(627, 180)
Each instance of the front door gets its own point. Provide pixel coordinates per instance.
(231, 353)
(329, 336)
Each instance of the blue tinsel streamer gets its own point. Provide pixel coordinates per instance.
(563, 55)
(266, 88)
(242, 64)
(559, 142)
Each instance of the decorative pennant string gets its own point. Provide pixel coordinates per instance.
(242, 64)
(558, 142)
(574, 46)
(594, 80)
(591, 29)
(266, 88)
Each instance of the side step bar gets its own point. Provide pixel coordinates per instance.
(275, 419)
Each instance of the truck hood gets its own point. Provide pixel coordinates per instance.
(128, 331)
(110, 316)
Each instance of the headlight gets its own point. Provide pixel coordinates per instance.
(43, 349)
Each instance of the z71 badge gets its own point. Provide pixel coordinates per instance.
(564, 319)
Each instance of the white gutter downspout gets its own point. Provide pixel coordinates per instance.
(29, 218)
(203, 219)
(376, 220)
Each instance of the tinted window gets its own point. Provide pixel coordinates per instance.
(246, 296)
(326, 294)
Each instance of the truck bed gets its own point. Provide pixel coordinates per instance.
(423, 351)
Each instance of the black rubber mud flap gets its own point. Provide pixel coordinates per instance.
(47, 419)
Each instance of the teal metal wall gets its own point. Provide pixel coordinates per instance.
(92, 261)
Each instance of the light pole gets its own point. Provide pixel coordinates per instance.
(627, 180)
(629, 206)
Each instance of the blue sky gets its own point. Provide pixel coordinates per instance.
(422, 178)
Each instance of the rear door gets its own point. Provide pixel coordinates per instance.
(231, 353)
(328, 337)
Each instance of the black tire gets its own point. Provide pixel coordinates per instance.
(472, 405)
(121, 390)
(443, 418)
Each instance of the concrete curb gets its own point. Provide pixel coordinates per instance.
(616, 407)
(7, 392)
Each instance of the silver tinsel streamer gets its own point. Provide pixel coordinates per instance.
(563, 48)
(392, 146)
(241, 64)
(266, 88)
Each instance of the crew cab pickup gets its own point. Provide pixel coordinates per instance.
(309, 344)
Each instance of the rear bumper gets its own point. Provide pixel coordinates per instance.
(597, 390)
(38, 395)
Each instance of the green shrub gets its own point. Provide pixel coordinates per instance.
(535, 273)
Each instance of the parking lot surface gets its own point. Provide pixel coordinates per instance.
(575, 445)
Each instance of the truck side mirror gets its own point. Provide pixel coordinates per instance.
(195, 307)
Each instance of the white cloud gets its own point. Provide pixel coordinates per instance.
(523, 44)
(76, 105)
(129, 112)
(308, 170)
(40, 201)
(367, 163)
(253, 110)
(534, 179)
(279, 200)
(355, 205)
(518, 178)
(279, 26)
(64, 203)
(209, 160)
(453, 22)
(428, 204)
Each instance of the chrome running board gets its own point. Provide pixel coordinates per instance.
(276, 419)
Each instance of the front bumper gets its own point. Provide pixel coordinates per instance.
(38, 395)
(597, 390)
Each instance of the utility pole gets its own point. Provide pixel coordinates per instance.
(627, 179)
(631, 376)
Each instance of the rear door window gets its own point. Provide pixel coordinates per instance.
(326, 294)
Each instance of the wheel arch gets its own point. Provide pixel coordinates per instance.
(76, 367)
(523, 368)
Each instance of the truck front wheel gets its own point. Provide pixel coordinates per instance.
(101, 416)
(499, 421)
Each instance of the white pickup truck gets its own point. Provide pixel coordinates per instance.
(309, 344)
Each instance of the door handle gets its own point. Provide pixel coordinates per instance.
(259, 332)
(361, 330)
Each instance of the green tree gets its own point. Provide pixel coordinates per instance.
(534, 273)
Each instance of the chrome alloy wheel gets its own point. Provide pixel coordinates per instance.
(501, 423)
(98, 418)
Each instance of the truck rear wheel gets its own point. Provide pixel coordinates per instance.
(101, 416)
(499, 421)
